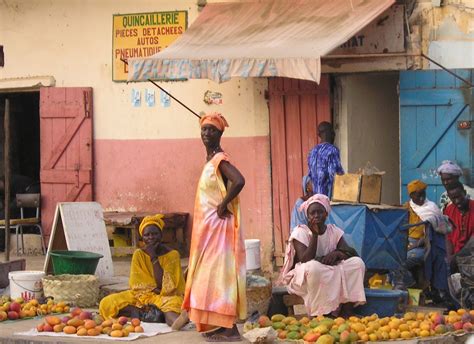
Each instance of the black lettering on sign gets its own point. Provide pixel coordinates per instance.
(355, 41)
(2, 58)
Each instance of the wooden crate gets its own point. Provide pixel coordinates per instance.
(357, 188)
(371, 189)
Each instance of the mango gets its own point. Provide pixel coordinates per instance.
(292, 328)
(116, 326)
(116, 333)
(89, 324)
(288, 320)
(92, 332)
(69, 329)
(313, 323)
(52, 320)
(76, 322)
(321, 329)
(139, 329)
(278, 325)
(59, 328)
(311, 337)
(293, 335)
(327, 322)
(353, 337)
(424, 333)
(107, 323)
(304, 320)
(325, 339)
(129, 328)
(335, 335)
(344, 337)
(282, 334)
(82, 332)
(107, 330)
(263, 321)
(277, 317)
(342, 328)
(405, 334)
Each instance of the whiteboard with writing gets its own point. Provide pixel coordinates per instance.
(84, 230)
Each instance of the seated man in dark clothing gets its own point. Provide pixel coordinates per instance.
(18, 185)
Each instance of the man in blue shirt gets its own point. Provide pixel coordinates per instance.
(324, 161)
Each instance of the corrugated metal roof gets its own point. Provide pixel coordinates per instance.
(259, 39)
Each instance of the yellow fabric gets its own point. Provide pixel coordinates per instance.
(416, 185)
(156, 220)
(142, 282)
(417, 232)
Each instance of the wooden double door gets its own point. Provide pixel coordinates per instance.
(296, 107)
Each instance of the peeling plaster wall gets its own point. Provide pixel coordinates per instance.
(445, 33)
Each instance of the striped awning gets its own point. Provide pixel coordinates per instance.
(283, 38)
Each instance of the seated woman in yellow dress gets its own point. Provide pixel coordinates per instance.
(156, 280)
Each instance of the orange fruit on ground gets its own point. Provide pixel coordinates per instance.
(404, 327)
(420, 316)
(373, 337)
(424, 333)
(405, 334)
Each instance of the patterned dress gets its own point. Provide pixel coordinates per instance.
(215, 286)
(323, 164)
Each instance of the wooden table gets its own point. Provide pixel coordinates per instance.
(173, 232)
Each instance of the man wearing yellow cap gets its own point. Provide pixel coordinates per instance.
(156, 280)
(426, 243)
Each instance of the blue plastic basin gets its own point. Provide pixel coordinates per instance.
(382, 302)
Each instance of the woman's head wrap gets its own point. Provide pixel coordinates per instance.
(318, 198)
(450, 167)
(416, 185)
(156, 220)
(215, 119)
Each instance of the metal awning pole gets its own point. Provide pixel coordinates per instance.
(184, 105)
(447, 70)
(6, 165)
(161, 88)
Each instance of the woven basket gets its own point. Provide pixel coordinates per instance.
(78, 290)
(258, 299)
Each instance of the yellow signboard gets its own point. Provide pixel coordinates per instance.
(142, 35)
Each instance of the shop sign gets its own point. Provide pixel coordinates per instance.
(385, 34)
(142, 35)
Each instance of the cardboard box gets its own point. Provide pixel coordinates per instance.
(357, 188)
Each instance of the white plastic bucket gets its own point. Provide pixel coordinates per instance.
(26, 284)
(252, 254)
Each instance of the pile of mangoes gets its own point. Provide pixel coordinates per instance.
(323, 330)
(19, 308)
(84, 323)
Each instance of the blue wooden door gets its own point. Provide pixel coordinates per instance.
(433, 105)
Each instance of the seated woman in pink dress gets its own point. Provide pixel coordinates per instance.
(319, 265)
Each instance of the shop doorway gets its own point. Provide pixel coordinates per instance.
(366, 115)
(24, 152)
(24, 134)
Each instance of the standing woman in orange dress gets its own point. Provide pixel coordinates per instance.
(215, 287)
